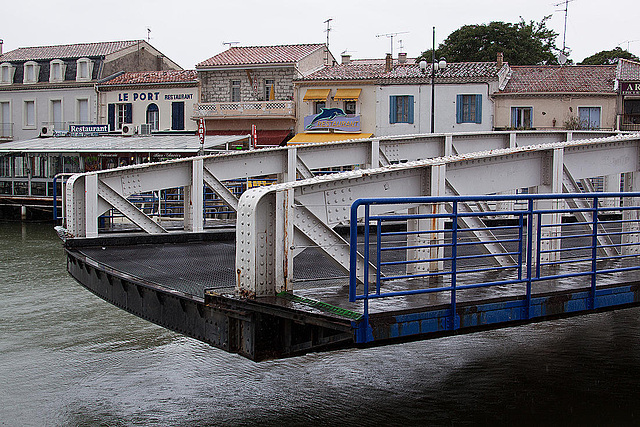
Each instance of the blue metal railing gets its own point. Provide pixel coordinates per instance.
(535, 245)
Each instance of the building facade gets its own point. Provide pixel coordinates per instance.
(253, 86)
(628, 74)
(45, 89)
(547, 97)
(149, 101)
(394, 97)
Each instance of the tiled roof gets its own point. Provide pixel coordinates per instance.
(466, 72)
(241, 55)
(354, 70)
(562, 79)
(66, 51)
(146, 77)
(408, 72)
(628, 70)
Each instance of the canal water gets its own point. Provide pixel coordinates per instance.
(68, 358)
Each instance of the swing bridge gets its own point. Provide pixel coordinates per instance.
(366, 242)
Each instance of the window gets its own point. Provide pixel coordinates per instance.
(631, 112)
(469, 109)
(31, 72)
(5, 166)
(153, 116)
(350, 107)
(29, 114)
(84, 70)
(318, 106)
(55, 114)
(82, 111)
(57, 70)
(401, 109)
(6, 73)
(521, 117)
(269, 90)
(177, 115)
(6, 126)
(589, 117)
(235, 90)
(118, 114)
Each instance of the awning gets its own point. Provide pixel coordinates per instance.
(316, 94)
(347, 94)
(305, 138)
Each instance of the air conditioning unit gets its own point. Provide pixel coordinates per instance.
(145, 129)
(128, 129)
(46, 130)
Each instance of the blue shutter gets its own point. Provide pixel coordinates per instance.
(410, 117)
(112, 116)
(459, 106)
(478, 109)
(393, 105)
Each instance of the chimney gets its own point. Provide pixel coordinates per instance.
(500, 60)
(346, 58)
(388, 63)
(402, 57)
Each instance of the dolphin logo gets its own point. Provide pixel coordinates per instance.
(327, 114)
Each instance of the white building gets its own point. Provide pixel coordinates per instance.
(48, 88)
(162, 100)
(394, 97)
(462, 100)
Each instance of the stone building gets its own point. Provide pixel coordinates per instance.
(46, 89)
(245, 86)
(628, 75)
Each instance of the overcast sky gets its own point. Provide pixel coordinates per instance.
(191, 31)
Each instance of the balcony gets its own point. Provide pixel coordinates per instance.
(239, 110)
(6, 131)
(630, 127)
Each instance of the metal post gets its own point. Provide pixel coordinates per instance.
(433, 75)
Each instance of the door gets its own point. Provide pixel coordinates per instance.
(177, 115)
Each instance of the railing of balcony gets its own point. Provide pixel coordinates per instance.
(249, 108)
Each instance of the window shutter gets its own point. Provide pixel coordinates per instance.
(112, 117)
(393, 109)
(128, 113)
(410, 116)
(478, 109)
(459, 106)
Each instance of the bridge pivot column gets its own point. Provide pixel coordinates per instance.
(631, 218)
(193, 198)
(551, 174)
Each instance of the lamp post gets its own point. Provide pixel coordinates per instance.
(435, 66)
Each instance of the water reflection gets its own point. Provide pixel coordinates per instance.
(69, 358)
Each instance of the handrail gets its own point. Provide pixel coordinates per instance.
(542, 246)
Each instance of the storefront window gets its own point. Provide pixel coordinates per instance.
(20, 166)
(631, 111)
(5, 166)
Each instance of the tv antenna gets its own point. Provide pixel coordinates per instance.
(628, 42)
(148, 34)
(566, 12)
(391, 36)
(328, 30)
(230, 44)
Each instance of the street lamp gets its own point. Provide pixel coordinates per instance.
(435, 66)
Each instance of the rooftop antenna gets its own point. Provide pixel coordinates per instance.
(391, 36)
(401, 48)
(328, 30)
(628, 42)
(566, 12)
(230, 44)
(148, 34)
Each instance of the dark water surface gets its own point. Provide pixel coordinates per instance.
(68, 358)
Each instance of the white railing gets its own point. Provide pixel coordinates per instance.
(249, 108)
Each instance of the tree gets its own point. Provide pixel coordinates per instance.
(609, 57)
(522, 43)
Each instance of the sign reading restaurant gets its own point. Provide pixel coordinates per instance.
(630, 88)
(333, 118)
